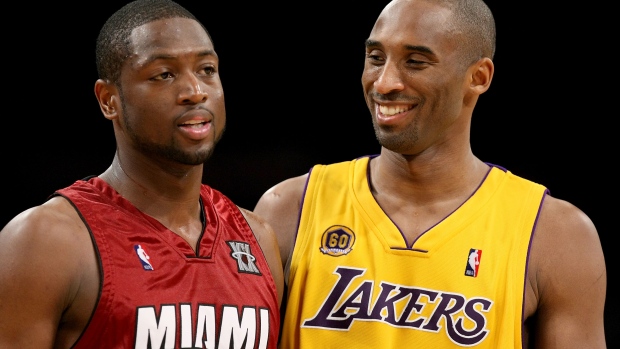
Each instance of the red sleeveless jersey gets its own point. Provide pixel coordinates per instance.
(156, 292)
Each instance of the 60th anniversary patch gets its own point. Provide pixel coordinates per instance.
(337, 240)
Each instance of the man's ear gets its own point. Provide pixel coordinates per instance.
(108, 98)
(481, 75)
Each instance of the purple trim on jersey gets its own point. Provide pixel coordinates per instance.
(527, 265)
(499, 167)
(505, 170)
(410, 245)
(371, 156)
(303, 197)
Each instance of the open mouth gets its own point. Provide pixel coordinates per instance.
(394, 109)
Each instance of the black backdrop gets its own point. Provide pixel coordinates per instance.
(291, 75)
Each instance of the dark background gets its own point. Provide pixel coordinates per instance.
(291, 75)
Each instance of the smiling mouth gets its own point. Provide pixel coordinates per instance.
(394, 109)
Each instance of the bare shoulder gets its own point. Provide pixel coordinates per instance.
(280, 204)
(564, 232)
(45, 252)
(282, 195)
(567, 277)
(41, 229)
(280, 207)
(259, 226)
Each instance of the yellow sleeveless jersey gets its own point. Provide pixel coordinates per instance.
(354, 282)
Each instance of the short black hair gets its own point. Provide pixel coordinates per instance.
(476, 19)
(113, 40)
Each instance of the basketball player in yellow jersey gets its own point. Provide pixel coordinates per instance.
(426, 245)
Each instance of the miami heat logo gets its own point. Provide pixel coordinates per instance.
(241, 251)
(337, 240)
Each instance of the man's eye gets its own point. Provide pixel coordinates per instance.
(208, 70)
(163, 76)
(418, 59)
(374, 57)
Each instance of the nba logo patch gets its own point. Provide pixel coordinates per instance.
(143, 257)
(473, 262)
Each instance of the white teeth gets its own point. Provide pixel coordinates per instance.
(392, 110)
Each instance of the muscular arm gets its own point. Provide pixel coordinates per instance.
(280, 207)
(267, 240)
(567, 280)
(45, 299)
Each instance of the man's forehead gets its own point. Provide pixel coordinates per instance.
(169, 32)
(169, 39)
(413, 23)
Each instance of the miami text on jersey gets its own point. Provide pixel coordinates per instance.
(235, 331)
(402, 306)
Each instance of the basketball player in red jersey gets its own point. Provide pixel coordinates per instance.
(145, 255)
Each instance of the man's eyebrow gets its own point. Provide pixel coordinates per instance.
(419, 48)
(165, 56)
(206, 53)
(416, 48)
(372, 43)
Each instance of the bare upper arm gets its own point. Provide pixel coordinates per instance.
(279, 206)
(268, 243)
(44, 254)
(567, 279)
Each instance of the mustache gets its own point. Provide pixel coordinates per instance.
(394, 96)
